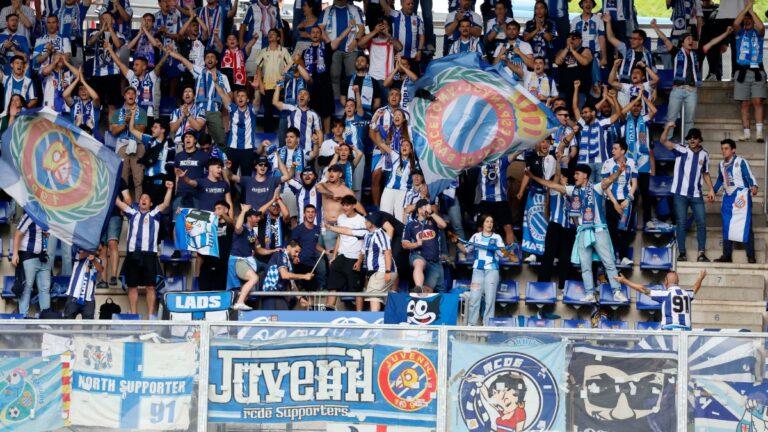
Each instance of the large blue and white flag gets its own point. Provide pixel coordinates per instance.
(197, 231)
(132, 385)
(465, 112)
(31, 394)
(507, 387)
(737, 215)
(535, 222)
(722, 406)
(65, 179)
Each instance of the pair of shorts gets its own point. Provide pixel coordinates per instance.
(108, 88)
(114, 228)
(434, 277)
(377, 285)
(141, 269)
(499, 210)
(749, 88)
(329, 238)
(72, 309)
(234, 279)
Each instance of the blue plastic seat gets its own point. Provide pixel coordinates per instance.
(573, 292)
(5, 210)
(666, 79)
(506, 262)
(576, 323)
(465, 261)
(174, 284)
(11, 316)
(508, 292)
(503, 322)
(59, 285)
(647, 325)
(540, 322)
(460, 285)
(660, 118)
(631, 256)
(167, 248)
(613, 325)
(645, 303)
(656, 258)
(661, 153)
(660, 186)
(541, 293)
(7, 285)
(606, 296)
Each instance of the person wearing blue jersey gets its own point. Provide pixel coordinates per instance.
(306, 193)
(592, 148)
(466, 42)
(515, 53)
(82, 284)
(634, 55)
(348, 159)
(592, 32)
(261, 17)
(242, 267)
(561, 233)
(421, 238)
(30, 249)
(355, 126)
(493, 195)
(159, 154)
(495, 28)
(105, 76)
(210, 189)
(129, 150)
(141, 266)
(734, 174)
(691, 167)
(408, 28)
(402, 163)
(214, 14)
(675, 301)
(637, 136)
(12, 43)
(453, 20)
(341, 23)
(368, 89)
(188, 117)
(621, 194)
(301, 117)
(18, 83)
(541, 32)
(27, 17)
(57, 76)
(261, 187)
(192, 160)
(488, 249)
(592, 237)
(686, 78)
(50, 44)
(749, 86)
(242, 143)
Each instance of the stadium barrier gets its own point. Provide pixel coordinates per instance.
(318, 377)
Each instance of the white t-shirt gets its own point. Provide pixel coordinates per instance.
(730, 9)
(382, 55)
(350, 246)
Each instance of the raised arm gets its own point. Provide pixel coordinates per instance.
(167, 198)
(699, 281)
(575, 101)
(634, 285)
(276, 98)
(547, 183)
(718, 39)
(116, 58)
(613, 77)
(609, 31)
(668, 43)
(608, 181)
(187, 64)
(668, 128)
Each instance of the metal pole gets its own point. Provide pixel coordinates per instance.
(202, 384)
(682, 381)
(442, 379)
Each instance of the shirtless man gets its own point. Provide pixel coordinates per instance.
(332, 190)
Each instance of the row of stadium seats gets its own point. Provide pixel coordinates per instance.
(523, 321)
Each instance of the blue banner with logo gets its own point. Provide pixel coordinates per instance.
(31, 394)
(535, 222)
(418, 309)
(507, 387)
(337, 318)
(64, 179)
(322, 379)
(197, 231)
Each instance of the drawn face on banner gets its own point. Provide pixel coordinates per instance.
(613, 394)
(423, 311)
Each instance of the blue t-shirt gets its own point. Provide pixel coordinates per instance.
(308, 239)
(194, 164)
(210, 192)
(258, 193)
(428, 232)
(243, 244)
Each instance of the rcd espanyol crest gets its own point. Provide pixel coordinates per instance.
(506, 391)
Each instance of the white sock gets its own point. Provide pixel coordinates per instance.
(759, 129)
(746, 132)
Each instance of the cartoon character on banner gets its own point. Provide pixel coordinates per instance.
(196, 225)
(755, 416)
(508, 392)
(18, 397)
(423, 311)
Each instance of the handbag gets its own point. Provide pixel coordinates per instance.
(108, 308)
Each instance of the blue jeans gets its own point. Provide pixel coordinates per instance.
(66, 255)
(682, 97)
(40, 272)
(602, 247)
(484, 284)
(429, 26)
(681, 204)
(454, 216)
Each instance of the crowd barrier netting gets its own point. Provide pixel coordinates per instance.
(60, 375)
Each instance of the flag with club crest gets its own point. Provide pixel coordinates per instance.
(64, 178)
(466, 112)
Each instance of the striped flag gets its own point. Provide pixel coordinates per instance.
(737, 215)
(465, 112)
(65, 179)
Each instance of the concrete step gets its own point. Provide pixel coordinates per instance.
(715, 220)
(732, 314)
(723, 284)
(715, 249)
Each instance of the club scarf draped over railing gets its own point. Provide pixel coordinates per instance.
(466, 112)
(64, 178)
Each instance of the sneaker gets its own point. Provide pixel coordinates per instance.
(752, 260)
(626, 262)
(113, 281)
(531, 259)
(760, 139)
(711, 77)
(745, 137)
(723, 259)
(620, 297)
(682, 257)
(589, 298)
(241, 307)
(702, 258)
(102, 285)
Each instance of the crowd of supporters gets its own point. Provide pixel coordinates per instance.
(297, 136)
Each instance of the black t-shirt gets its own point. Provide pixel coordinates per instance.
(210, 192)
(571, 70)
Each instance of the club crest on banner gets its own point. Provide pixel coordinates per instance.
(97, 358)
(18, 397)
(408, 380)
(63, 177)
(506, 390)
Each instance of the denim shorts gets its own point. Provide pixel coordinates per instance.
(114, 227)
(433, 272)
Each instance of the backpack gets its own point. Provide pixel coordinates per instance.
(108, 308)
